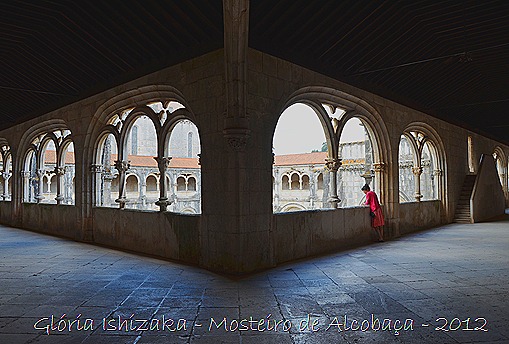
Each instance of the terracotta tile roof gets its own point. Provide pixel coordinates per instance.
(51, 157)
(136, 160)
(148, 161)
(315, 158)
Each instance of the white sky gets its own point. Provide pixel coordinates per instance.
(299, 131)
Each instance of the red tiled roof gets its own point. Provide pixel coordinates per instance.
(51, 157)
(317, 158)
(148, 161)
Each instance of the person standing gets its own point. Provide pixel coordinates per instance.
(377, 216)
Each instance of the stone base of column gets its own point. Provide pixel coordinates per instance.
(122, 202)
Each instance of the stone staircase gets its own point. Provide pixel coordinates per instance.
(462, 214)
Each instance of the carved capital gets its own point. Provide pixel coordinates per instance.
(417, 171)
(437, 173)
(25, 174)
(163, 163)
(39, 173)
(333, 165)
(236, 138)
(122, 166)
(96, 168)
(59, 171)
(379, 167)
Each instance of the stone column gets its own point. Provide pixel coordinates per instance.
(143, 191)
(378, 170)
(312, 190)
(26, 185)
(5, 181)
(97, 171)
(122, 167)
(163, 163)
(59, 172)
(417, 171)
(39, 197)
(275, 190)
(437, 188)
(333, 166)
(106, 191)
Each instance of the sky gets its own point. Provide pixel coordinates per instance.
(299, 131)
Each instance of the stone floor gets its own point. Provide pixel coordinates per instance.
(454, 278)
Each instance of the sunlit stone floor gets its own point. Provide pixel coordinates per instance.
(456, 272)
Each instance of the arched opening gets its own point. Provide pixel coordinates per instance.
(142, 141)
(356, 154)
(48, 169)
(428, 180)
(107, 182)
(300, 149)
(191, 184)
(305, 182)
(285, 183)
(30, 178)
(320, 181)
(52, 182)
(132, 190)
(498, 155)
(69, 173)
(406, 158)
(295, 184)
(420, 165)
(2, 180)
(471, 156)
(181, 184)
(152, 185)
(184, 148)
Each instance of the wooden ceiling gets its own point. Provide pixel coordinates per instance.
(449, 58)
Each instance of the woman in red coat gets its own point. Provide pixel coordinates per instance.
(377, 216)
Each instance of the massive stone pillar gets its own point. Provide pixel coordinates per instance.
(237, 209)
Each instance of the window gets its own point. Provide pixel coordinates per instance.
(419, 168)
(300, 149)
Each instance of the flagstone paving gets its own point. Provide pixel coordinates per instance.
(445, 285)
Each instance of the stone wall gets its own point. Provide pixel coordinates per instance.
(416, 216)
(308, 233)
(51, 219)
(237, 231)
(165, 235)
(487, 198)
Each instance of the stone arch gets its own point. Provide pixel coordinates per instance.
(437, 148)
(5, 170)
(136, 100)
(192, 183)
(501, 165)
(152, 182)
(292, 207)
(315, 96)
(41, 134)
(181, 114)
(135, 97)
